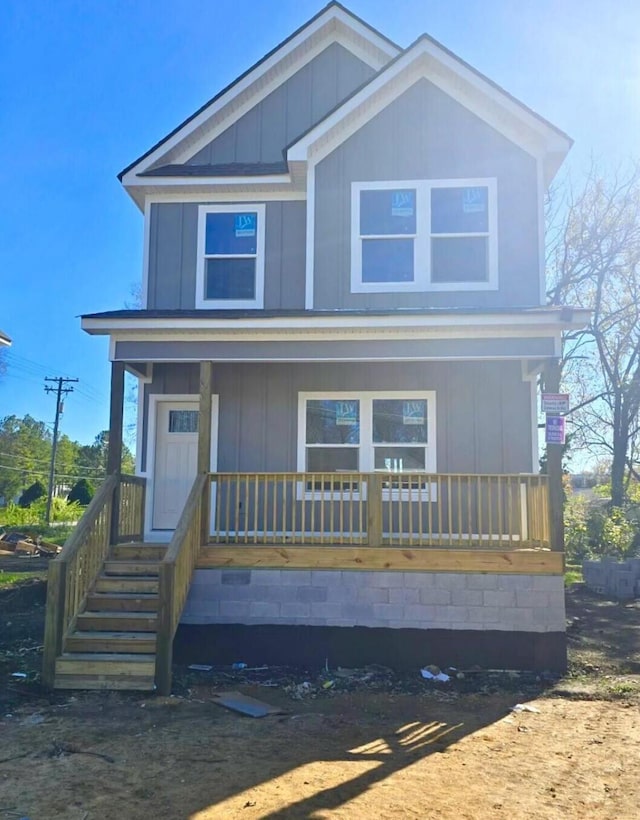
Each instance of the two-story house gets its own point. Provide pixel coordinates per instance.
(341, 335)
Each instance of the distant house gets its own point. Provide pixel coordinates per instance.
(342, 329)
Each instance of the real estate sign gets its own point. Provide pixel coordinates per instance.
(555, 403)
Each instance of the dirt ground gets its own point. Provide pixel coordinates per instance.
(370, 745)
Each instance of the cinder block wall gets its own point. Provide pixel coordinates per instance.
(418, 600)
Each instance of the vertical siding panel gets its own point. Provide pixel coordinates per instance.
(293, 254)
(298, 91)
(188, 256)
(273, 116)
(273, 256)
(223, 149)
(324, 82)
(152, 282)
(248, 131)
(167, 259)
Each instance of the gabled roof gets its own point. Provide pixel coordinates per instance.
(333, 16)
(428, 58)
(425, 57)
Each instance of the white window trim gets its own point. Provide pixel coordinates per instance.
(231, 304)
(422, 238)
(366, 446)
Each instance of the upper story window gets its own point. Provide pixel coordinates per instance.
(424, 235)
(230, 271)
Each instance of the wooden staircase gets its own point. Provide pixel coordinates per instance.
(113, 602)
(113, 642)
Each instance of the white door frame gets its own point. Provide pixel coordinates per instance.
(154, 399)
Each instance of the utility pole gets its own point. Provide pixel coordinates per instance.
(61, 390)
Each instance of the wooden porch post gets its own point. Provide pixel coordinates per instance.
(204, 443)
(554, 466)
(204, 427)
(114, 453)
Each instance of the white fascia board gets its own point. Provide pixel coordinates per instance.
(323, 28)
(212, 182)
(454, 78)
(473, 322)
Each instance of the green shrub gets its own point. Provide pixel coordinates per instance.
(82, 492)
(32, 494)
(576, 528)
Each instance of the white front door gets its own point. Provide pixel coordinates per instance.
(176, 460)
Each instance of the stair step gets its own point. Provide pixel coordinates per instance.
(151, 552)
(90, 641)
(88, 670)
(135, 584)
(121, 602)
(115, 666)
(132, 568)
(117, 621)
(137, 683)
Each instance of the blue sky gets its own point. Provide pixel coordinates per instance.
(86, 86)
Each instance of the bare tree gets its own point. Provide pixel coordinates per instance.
(593, 261)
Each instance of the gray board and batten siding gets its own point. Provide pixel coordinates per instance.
(425, 134)
(262, 134)
(173, 249)
(483, 422)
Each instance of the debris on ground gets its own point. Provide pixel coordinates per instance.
(244, 704)
(200, 667)
(524, 707)
(434, 673)
(24, 545)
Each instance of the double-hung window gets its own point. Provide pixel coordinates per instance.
(367, 431)
(424, 235)
(230, 269)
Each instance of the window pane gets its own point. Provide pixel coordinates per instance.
(387, 260)
(230, 279)
(333, 421)
(183, 421)
(332, 459)
(400, 420)
(399, 459)
(459, 210)
(231, 233)
(460, 260)
(388, 212)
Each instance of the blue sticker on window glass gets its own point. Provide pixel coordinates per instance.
(460, 210)
(388, 212)
(231, 234)
(402, 203)
(245, 225)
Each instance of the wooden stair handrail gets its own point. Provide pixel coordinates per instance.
(62, 606)
(176, 570)
(75, 541)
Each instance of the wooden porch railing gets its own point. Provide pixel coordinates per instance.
(176, 570)
(131, 498)
(117, 506)
(380, 509)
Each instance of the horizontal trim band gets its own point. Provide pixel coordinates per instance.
(537, 562)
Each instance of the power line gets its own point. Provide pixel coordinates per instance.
(34, 471)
